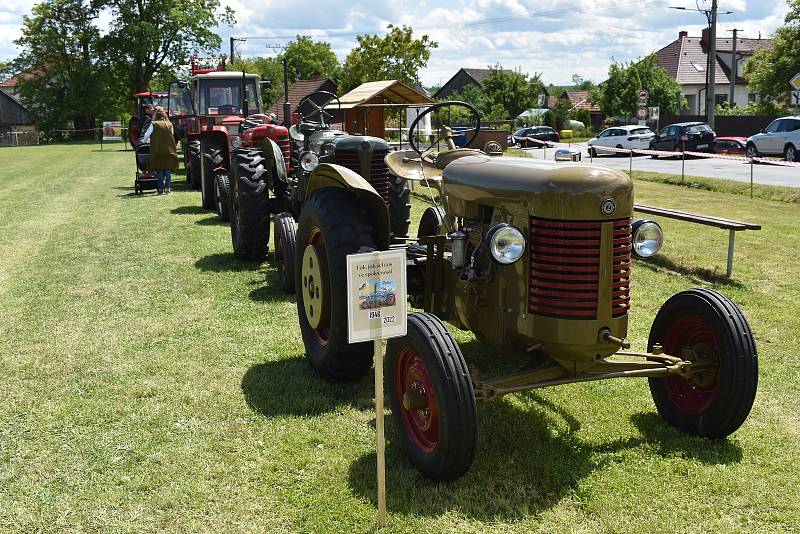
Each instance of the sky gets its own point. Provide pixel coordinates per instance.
(555, 39)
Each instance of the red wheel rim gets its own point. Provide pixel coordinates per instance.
(695, 394)
(421, 424)
(323, 331)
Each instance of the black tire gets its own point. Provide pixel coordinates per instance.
(335, 223)
(790, 153)
(432, 218)
(715, 403)
(222, 192)
(399, 208)
(250, 207)
(440, 439)
(212, 158)
(285, 250)
(751, 151)
(194, 169)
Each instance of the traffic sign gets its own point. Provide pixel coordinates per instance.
(642, 113)
(654, 113)
(643, 95)
(795, 100)
(795, 81)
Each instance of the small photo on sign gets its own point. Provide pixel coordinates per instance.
(377, 294)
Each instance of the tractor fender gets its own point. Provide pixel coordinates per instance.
(274, 156)
(330, 175)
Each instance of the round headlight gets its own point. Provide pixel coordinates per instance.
(506, 243)
(236, 142)
(647, 238)
(309, 161)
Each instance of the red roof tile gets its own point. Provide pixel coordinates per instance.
(299, 90)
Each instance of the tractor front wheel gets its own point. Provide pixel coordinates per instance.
(193, 172)
(709, 329)
(432, 398)
(222, 192)
(399, 208)
(332, 225)
(212, 158)
(250, 207)
(285, 250)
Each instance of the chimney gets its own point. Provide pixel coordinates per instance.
(316, 76)
(706, 39)
(682, 34)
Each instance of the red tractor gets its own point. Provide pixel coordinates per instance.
(141, 117)
(223, 109)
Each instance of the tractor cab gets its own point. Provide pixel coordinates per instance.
(146, 101)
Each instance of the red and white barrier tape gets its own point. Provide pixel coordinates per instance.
(704, 155)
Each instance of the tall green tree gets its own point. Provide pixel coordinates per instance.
(769, 70)
(618, 96)
(395, 56)
(146, 35)
(60, 45)
(514, 91)
(306, 57)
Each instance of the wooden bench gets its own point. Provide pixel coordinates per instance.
(717, 222)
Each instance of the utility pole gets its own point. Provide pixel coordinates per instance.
(712, 52)
(233, 50)
(287, 106)
(734, 67)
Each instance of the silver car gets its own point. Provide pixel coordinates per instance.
(780, 138)
(631, 136)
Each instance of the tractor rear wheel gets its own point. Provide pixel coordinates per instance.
(250, 207)
(212, 158)
(432, 398)
(222, 192)
(710, 330)
(285, 250)
(193, 170)
(399, 208)
(332, 225)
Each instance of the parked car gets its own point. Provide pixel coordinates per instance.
(780, 138)
(733, 146)
(631, 136)
(523, 136)
(684, 136)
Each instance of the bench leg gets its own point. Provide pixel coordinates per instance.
(731, 237)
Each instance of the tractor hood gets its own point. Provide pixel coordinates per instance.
(566, 191)
(356, 142)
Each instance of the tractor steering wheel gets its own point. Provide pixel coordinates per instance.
(319, 109)
(445, 132)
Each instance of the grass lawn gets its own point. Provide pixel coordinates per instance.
(150, 382)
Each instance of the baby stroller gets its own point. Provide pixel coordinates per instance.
(145, 179)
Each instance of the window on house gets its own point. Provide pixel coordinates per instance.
(720, 99)
(751, 97)
(697, 66)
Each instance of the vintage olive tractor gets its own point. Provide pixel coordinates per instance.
(268, 187)
(534, 257)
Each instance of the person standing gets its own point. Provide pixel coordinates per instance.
(163, 151)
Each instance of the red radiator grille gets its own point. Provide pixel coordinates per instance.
(565, 268)
(286, 149)
(378, 175)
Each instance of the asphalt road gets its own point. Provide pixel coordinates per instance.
(708, 168)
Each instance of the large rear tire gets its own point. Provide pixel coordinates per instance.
(332, 225)
(250, 207)
(285, 250)
(399, 207)
(212, 158)
(222, 192)
(193, 172)
(711, 330)
(432, 398)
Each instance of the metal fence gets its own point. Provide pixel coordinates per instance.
(12, 137)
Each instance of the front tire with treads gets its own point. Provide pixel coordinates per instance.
(194, 170)
(285, 250)
(250, 207)
(332, 225)
(212, 159)
(399, 207)
(222, 191)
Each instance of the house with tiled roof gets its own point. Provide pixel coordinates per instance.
(299, 90)
(16, 125)
(686, 61)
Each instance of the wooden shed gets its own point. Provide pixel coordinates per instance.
(364, 107)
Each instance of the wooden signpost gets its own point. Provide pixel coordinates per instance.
(376, 310)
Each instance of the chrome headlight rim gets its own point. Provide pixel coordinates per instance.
(236, 142)
(309, 161)
(642, 247)
(514, 247)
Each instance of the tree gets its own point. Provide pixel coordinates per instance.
(3, 67)
(59, 44)
(396, 56)
(306, 57)
(513, 91)
(618, 96)
(769, 70)
(148, 34)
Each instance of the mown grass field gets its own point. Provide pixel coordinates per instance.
(150, 382)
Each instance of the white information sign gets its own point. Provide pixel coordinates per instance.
(795, 81)
(655, 112)
(376, 295)
(795, 98)
(112, 131)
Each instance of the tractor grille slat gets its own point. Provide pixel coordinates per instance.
(378, 172)
(565, 267)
